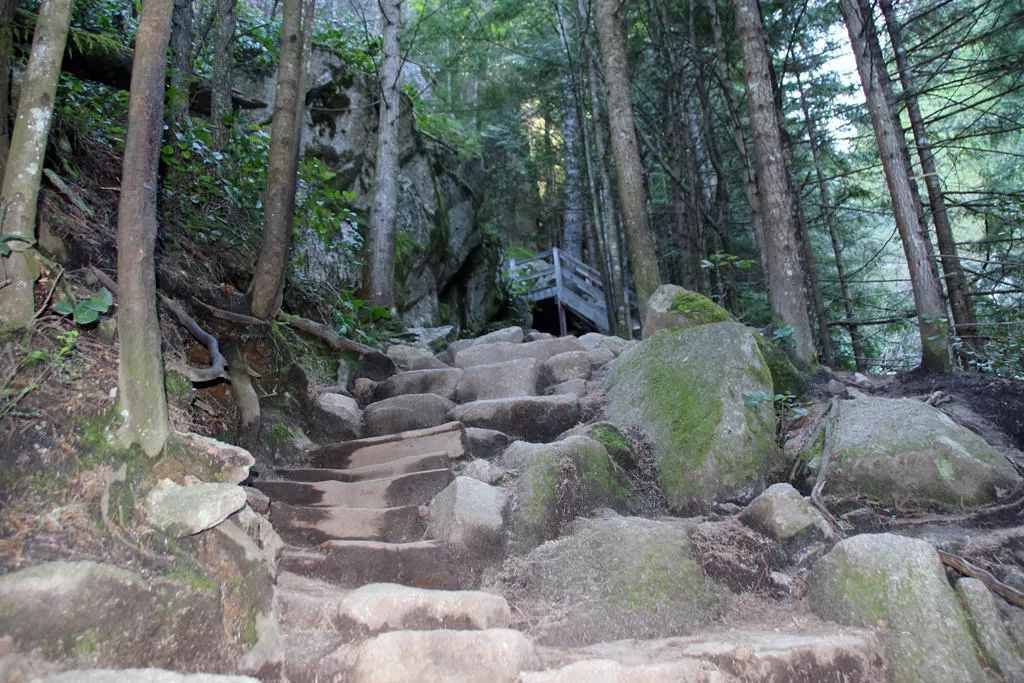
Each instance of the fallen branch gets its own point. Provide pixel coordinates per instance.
(217, 369)
(325, 334)
(1011, 595)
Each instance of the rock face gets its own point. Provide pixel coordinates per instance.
(1000, 651)
(684, 390)
(898, 584)
(618, 577)
(559, 481)
(673, 307)
(904, 452)
(141, 676)
(447, 258)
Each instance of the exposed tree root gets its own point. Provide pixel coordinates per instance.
(336, 342)
(826, 457)
(246, 399)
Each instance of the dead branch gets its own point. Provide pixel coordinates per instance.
(1011, 595)
(325, 334)
(217, 369)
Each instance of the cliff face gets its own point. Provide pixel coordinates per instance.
(447, 266)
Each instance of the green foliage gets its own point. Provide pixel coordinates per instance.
(95, 110)
(324, 208)
(86, 311)
(785, 405)
(216, 193)
(354, 319)
(352, 43)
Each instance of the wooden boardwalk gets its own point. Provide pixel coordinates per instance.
(572, 285)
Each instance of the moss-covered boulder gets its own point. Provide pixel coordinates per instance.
(685, 390)
(558, 482)
(672, 307)
(897, 584)
(904, 452)
(613, 578)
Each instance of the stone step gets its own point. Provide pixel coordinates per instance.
(405, 412)
(412, 463)
(350, 564)
(498, 352)
(449, 438)
(491, 656)
(304, 525)
(539, 419)
(415, 488)
(441, 382)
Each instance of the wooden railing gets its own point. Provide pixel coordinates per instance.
(553, 274)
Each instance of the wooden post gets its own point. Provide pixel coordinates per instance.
(558, 291)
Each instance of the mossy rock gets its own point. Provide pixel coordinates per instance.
(617, 577)
(897, 584)
(785, 376)
(672, 306)
(684, 390)
(560, 481)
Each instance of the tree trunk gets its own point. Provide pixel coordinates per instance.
(379, 276)
(6, 55)
(935, 346)
(141, 373)
(856, 340)
(267, 286)
(630, 171)
(784, 270)
(181, 65)
(220, 86)
(956, 283)
(575, 211)
(608, 225)
(18, 270)
(731, 101)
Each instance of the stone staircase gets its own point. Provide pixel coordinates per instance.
(369, 589)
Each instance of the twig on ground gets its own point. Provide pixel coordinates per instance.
(120, 476)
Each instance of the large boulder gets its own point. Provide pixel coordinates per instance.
(185, 510)
(687, 392)
(671, 307)
(468, 516)
(559, 481)
(897, 584)
(613, 578)
(90, 614)
(904, 452)
(781, 513)
(141, 676)
(441, 382)
(336, 417)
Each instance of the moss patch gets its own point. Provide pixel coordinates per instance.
(698, 308)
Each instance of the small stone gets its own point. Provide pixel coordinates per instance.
(782, 513)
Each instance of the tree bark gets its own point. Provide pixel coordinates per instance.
(6, 57)
(141, 374)
(935, 346)
(18, 270)
(267, 286)
(630, 170)
(784, 270)
(956, 283)
(379, 275)
(575, 211)
(220, 86)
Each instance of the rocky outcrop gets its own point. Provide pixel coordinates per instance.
(445, 256)
(672, 307)
(684, 390)
(904, 452)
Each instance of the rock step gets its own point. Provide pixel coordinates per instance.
(449, 438)
(306, 526)
(351, 564)
(308, 605)
(412, 463)
(415, 488)
(847, 655)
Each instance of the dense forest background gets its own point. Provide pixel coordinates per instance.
(756, 176)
